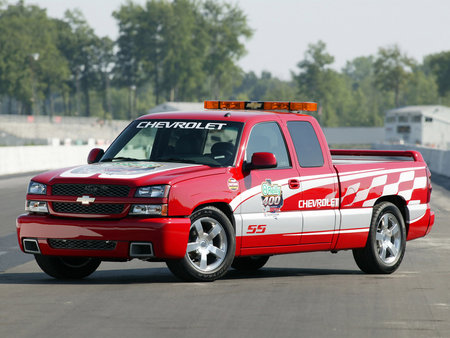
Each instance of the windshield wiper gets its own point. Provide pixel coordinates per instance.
(179, 160)
(122, 159)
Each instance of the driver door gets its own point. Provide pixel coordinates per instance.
(268, 216)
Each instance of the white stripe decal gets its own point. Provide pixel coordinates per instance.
(314, 181)
(414, 202)
(307, 183)
(345, 231)
(344, 177)
(318, 233)
(417, 212)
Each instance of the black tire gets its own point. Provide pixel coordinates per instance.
(210, 250)
(386, 243)
(67, 267)
(250, 263)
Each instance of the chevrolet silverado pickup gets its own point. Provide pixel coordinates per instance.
(229, 186)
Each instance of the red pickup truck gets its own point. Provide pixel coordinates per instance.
(228, 186)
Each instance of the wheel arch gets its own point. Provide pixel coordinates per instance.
(222, 206)
(400, 203)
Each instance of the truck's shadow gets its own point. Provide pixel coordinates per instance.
(162, 275)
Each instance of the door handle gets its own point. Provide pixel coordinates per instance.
(294, 183)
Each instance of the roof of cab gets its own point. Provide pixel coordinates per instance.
(223, 115)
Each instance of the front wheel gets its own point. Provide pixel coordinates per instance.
(67, 267)
(386, 243)
(210, 249)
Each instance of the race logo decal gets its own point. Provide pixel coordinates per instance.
(272, 196)
(123, 169)
(233, 184)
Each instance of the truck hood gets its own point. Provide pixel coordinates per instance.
(129, 173)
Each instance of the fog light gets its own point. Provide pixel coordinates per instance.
(36, 206)
(149, 209)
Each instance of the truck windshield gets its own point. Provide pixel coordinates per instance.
(212, 143)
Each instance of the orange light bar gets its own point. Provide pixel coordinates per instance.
(261, 105)
(304, 106)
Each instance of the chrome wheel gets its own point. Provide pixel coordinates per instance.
(388, 239)
(207, 246)
(210, 248)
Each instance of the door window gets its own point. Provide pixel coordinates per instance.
(267, 137)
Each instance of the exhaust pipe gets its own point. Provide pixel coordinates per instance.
(30, 245)
(141, 250)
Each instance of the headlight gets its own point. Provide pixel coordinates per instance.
(149, 209)
(36, 206)
(158, 191)
(36, 188)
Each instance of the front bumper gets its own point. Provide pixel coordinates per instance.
(168, 236)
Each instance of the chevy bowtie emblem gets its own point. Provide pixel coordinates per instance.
(253, 105)
(86, 200)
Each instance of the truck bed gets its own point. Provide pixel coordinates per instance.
(351, 156)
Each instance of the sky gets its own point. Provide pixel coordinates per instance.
(283, 29)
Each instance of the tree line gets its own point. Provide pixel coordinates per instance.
(188, 50)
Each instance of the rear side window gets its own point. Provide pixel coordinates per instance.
(307, 146)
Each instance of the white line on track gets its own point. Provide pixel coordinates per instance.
(3, 252)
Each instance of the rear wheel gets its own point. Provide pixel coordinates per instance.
(67, 267)
(386, 243)
(210, 249)
(251, 263)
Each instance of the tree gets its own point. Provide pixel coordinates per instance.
(317, 82)
(439, 65)
(264, 88)
(136, 46)
(184, 47)
(80, 46)
(31, 67)
(226, 27)
(392, 69)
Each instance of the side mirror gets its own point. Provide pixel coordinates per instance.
(95, 155)
(262, 161)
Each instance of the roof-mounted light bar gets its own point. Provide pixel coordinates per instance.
(261, 105)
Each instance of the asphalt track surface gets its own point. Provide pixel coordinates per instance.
(300, 295)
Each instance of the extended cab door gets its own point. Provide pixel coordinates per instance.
(268, 218)
(319, 200)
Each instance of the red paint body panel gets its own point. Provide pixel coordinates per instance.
(421, 227)
(169, 236)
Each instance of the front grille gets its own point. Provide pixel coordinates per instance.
(99, 208)
(95, 190)
(78, 244)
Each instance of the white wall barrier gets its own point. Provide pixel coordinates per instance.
(438, 160)
(15, 160)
